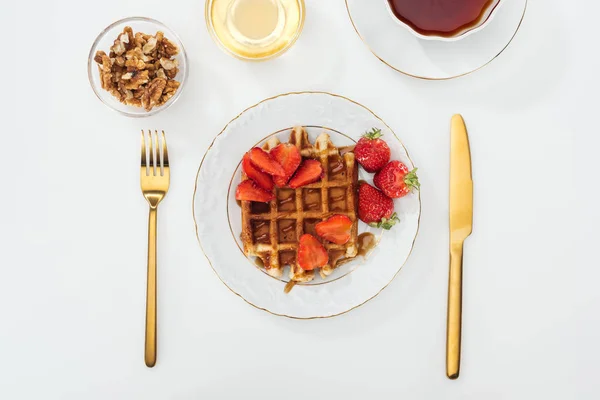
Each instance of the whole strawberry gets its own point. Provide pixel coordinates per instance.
(395, 180)
(375, 208)
(372, 152)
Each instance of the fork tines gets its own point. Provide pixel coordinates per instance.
(153, 156)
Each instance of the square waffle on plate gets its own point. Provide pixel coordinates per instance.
(271, 231)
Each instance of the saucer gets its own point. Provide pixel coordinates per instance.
(400, 49)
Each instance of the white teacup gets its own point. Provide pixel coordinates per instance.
(487, 16)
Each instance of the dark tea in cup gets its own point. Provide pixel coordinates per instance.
(442, 18)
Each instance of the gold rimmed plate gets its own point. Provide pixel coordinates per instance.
(218, 217)
(400, 49)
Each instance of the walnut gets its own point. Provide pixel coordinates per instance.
(168, 48)
(137, 53)
(140, 69)
(161, 73)
(137, 94)
(130, 38)
(149, 46)
(168, 64)
(139, 40)
(118, 47)
(116, 93)
(171, 86)
(172, 73)
(165, 97)
(133, 102)
(106, 74)
(135, 64)
(153, 93)
(98, 56)
(137, 80)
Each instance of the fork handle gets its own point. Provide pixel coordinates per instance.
(150, 347)
(454, 321)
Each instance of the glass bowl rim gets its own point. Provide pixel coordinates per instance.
(213, 34)
(183, 53)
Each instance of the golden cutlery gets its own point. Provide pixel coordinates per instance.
(154, 180)
(461, 224)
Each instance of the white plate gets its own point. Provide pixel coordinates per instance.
(218, 220)
(400, 49)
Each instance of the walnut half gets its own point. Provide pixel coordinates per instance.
(153, 93)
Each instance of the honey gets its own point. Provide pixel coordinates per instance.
(289, 286)
(366, 243)
(255, 29)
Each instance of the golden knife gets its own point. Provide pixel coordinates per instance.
(461, 224)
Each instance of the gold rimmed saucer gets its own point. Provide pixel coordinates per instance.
(401, 50)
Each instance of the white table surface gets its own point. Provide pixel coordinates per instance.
(73, 221)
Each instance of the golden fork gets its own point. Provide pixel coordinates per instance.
(154, 180)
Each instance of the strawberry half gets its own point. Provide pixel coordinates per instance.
(375, 208)
(288, 156)
(371, 151)
(263, 161)
(309, 171)
(396, 180)
(336, 229)
(262, 179)
(311, 253)
(250, 191)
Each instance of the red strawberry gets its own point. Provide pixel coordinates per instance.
(311, 253)
(289, 157)
(372, 152)
(309, 171)
(375, 208)
(395, 180)
(250, 191)
(263, 160)
(336, 229)
(262, 179)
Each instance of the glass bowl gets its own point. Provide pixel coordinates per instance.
(243, 48)
(105, 40)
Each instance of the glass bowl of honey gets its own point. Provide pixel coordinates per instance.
(255, 30)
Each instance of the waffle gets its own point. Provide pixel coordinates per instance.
(270, 231)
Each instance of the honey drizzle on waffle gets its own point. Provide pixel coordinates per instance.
(254, 219)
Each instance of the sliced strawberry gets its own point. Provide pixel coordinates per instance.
(288, 156)
(250, 191)
(263, 160)
(336, 229)
(262, 179)
(311, 253)
(280, 181)
(309, 171)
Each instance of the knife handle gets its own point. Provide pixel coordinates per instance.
(454, 321)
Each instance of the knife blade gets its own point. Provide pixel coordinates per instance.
(461, 225)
